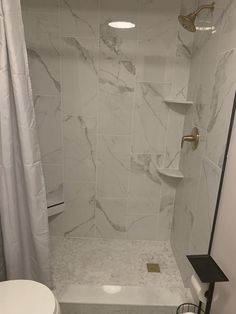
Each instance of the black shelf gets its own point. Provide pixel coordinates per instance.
(207, 269)
(57, 204)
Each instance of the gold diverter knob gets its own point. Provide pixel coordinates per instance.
(193, 138)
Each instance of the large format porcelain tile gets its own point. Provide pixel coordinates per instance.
(53, 175)
(113, 166)
(219, 4)
(150, 118)
(118, 47)
(205, 207)
(205, 48)
(99, 70)
(205, 84)
(80, 147)
(227, 32)
(118, 54)
(183, 220)
(167, 202)
(183, 55)
(142, 227)
(185, 201)
(195, 76)
(115, 113)
(78, 219)
(115, 106)
(41, 31)
(40, 6)
(182, 64)
(79, 76)
(176, 118)
(157, 40)
(48, 118)
(142, 204)
(110, 218)
(221, 107)
(116, 76)
(187, 6)
(112, 10)
(79, 18)
(145, 185)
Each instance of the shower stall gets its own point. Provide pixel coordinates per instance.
(126, 203)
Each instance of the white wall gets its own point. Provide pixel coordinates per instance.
(224, 249)
(211, 88)
(104, 127)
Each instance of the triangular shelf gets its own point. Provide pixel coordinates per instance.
(172, 173)
(178, 102)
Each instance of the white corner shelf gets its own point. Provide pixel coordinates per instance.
(178, 102)
(172, 173)
(55, 210)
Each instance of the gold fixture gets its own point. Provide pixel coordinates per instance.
(153, 268)
(193, 138)
(188, 21)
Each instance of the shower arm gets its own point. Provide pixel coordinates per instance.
(204, 6)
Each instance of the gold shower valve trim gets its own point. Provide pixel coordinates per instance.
(193, 138)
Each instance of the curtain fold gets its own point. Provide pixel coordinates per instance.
(23, 207)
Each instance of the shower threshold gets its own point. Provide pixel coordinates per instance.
(105, 272)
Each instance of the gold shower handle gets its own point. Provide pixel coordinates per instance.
(193, 138)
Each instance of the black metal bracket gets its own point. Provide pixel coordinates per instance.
(208, 272)
(54, 205)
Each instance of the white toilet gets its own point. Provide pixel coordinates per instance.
(27, 297)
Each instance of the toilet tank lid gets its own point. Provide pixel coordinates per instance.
(26, 297)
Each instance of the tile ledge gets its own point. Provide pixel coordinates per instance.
(55, 210)
(125, 295)
(178, 102)
(172, 173)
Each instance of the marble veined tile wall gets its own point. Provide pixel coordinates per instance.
(104, 127)
(212, 88)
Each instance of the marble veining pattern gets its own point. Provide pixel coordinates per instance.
(113, 165)
(221, 107)
(212, 88)
(80, 146)
(79, 64)
(42, 31)
(150, 118)
(48, 118)
(79, 18)
(103, 124)
(104, 129)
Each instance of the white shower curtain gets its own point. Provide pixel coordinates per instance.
(23, 208)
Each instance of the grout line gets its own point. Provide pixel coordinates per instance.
(61, 100)
(97, 117)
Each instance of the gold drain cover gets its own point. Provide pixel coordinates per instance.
(153, 268)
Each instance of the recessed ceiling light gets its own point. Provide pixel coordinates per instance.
(121, 24)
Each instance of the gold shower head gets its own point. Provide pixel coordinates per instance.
(188, 21)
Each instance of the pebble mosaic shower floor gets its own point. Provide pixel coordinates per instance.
(86, 261)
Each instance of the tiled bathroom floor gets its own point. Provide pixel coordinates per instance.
(83, 261)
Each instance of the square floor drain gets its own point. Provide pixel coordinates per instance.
(153, 268)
